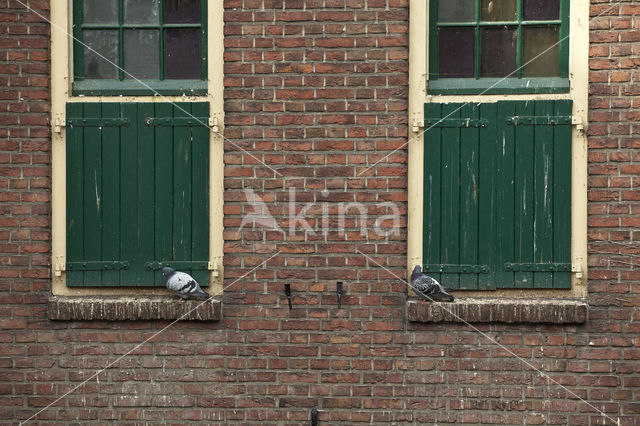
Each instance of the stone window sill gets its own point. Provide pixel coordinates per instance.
(109, 308)
(551, 311)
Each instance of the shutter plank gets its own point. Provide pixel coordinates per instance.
(469, 194)
(129, 193)
(92, 205)
(74, 207)
(543, 195)
(432, 189)
(450, 232)
(163, 189)
(524, 201)
(488, 208)
(200, 192)
(182, 160)
(506, 142)
(111, 194)
(146, 193)
(562, 194)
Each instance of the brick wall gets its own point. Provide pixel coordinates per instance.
(24, 176)
(317, 89)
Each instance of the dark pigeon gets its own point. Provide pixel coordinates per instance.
(428, 288)
(182, 284)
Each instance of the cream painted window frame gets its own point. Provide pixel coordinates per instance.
(61, 80)
(419, 95)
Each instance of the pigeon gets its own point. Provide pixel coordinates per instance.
(428, 287)
(183, 284)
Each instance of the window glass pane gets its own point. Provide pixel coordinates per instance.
(499, 10)
(456, 52)
(101, 54)
(541, 9)
(535, 41)
(141, 53)
(141, 12)
(182, 11)
(100, 11)
(456, 11)
(182, 53)
(498, 47)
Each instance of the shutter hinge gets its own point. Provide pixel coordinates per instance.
(185, 265)
(191, 121)
(195, 265)
(520, 120)
(576, 268)
(538, 267)
(97, 122)
(99, 265)
(213, 267)
(456, 269)
(417, 123)
(59, 266)
(59, 122)
(214, 123)
(455, 122)
(576, 120)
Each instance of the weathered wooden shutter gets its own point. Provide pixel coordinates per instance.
(137, 192)
(497, 194)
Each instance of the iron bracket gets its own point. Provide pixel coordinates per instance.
(456, 269)
(199, 265)
(538, 267)
(455, 122)
(518, 120)
(176, 121)
(98, 122)
(109, 265)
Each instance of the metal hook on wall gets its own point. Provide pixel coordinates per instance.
(287, 291)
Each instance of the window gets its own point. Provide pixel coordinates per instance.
(137, 147)
(499, 46)
(161, 42)
(497, 150)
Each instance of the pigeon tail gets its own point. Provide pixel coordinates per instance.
(442, 297)
(435, 296)
(201, 294)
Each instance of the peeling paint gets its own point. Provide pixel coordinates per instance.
(95, 179)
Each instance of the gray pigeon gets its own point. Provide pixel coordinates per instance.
(428, 288)
(183, 284)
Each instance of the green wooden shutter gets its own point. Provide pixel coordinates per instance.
(497, 194)
(137, 192)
